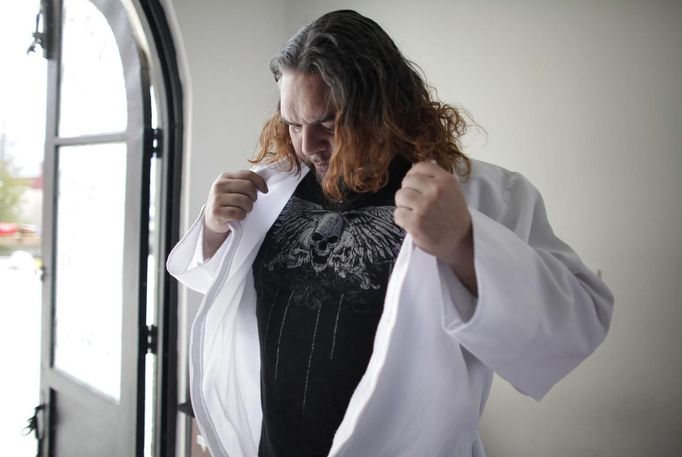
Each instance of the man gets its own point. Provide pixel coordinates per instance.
(365, 279)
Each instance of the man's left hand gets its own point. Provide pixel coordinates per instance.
(430, 206)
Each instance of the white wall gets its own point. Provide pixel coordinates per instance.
(224, 49)
(227, 47)
(585, 99)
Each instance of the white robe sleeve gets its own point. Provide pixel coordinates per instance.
(186, 260)
(540, 311)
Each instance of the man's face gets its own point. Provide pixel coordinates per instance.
(307, 110)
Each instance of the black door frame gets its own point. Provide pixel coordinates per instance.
(161, 40)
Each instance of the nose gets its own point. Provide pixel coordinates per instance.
(313, 142)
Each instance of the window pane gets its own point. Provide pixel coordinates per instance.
(93, 94)
(89, 263)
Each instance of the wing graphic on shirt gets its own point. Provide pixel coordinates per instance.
(349, 243)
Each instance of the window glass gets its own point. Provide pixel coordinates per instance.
(89, 276)
(92, 91)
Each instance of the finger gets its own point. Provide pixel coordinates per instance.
(247, 175)
(257, 181)
(241, 201)
(412, 222)
(237, 186)
(406, 219)
(408, 198)
(427, 168)
(227, 214)
(400, 217)
(419, 183)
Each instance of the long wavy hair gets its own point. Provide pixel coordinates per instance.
(383, 106)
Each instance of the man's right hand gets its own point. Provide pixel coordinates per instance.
(230, 199)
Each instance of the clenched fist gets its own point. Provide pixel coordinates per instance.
(430, 206)
(230, 198)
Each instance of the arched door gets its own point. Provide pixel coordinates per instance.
(99, 146)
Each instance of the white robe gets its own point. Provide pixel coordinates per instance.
(540, 311)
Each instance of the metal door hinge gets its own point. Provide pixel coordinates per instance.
(35, 425)
(151, 339)
(155, 143)
(43, 30)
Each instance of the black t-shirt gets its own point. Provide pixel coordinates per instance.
(320, 278)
